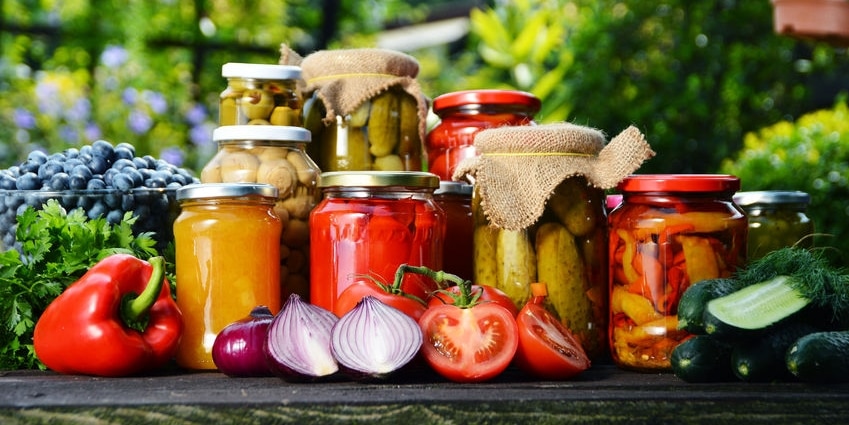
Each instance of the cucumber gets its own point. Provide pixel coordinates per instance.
(692, 304)
(753, 308)
(820, 357)
(702, 358)
(764, 359)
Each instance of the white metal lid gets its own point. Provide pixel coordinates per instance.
(261, 71)
(262, 132)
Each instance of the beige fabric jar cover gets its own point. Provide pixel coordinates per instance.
(519, 167)
(343, 79)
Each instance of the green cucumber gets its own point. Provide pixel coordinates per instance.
(753, 308)
(764, 359)
(820, 357)
(692, 304)
(702, 358)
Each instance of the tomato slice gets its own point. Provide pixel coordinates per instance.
(363, 287)
(489, 294)
(469, 344)
(547, 348)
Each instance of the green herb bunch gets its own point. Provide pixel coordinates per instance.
(56, 249)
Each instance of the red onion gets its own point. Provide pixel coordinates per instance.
(298, 344)
(374, 339)
(237, 350)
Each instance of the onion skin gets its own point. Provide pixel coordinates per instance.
(374, 340)
(238, 348)
(297, 346)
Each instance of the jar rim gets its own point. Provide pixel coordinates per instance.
(261, 132)
(225, 190)
(687, 183)
(488, 97)
(260, 71)
(771, 197)
(419, 179)
(453, 188)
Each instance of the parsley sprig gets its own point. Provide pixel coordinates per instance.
(56, 248)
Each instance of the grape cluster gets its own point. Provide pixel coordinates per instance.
(102, 179)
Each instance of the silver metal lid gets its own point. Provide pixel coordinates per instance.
(225, 190)
(417, 179)
(260, 71)
(453, 188)
(771, 197)
(262, 133)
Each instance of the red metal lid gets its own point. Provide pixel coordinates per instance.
(680, 183)
(487, 97)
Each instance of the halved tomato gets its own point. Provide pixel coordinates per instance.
(469, 344)
(487, 294)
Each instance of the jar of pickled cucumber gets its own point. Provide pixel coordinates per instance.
(669, 232)
(227, 242)
(462, 114)
(274, 155)
(367, 225)
(455, 198)
(260, 94)
(777, 218)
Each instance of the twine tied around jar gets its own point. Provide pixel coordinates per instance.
(519, 167)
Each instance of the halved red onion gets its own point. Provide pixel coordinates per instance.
(373, 340)
(298, 344)
(237, 349)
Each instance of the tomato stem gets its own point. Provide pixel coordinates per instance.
(464, 299)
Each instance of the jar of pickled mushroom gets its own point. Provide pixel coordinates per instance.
(227, 241)
(274, 155)
(365, 109)
(777, 218)
(464, 113)
(367, 225)
(669, 232)
(260, 94)
(455, 198)
(539, 216)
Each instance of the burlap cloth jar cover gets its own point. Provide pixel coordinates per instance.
(519, 167)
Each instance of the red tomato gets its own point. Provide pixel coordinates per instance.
(362, 287)
(489, 294)
(547, 348)
(469, 344)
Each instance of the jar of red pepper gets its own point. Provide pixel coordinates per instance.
(462, 114)
(455, 198)
(368, 224)
(670, 231)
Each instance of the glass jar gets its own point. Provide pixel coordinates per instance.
(462, 114)
(260, 94)
(455, 198)
(566, 248)
(274, 155)
(777, 219)
(368, 224)
(670, 231)
(381, 135)
(227, 240)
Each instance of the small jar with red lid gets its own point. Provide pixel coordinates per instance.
(669, 232)
(462, 114)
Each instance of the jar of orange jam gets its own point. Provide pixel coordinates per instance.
(669, 232)
(227, 240)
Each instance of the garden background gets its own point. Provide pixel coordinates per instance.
(710, 84)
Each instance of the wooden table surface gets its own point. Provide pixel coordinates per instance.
(603, 394)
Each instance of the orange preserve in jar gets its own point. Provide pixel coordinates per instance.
(462, 114)
(227, 240)
(669, 232)
(368, 224)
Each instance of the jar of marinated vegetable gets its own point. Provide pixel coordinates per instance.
(670, 231)
(274, 155)
(260, 94)
(455, 198)
(367, 225)
(227, 241)
(777, 218)
(462, 114)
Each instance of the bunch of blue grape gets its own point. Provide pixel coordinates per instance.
(102, 179)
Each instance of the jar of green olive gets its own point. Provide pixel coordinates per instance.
(777, 219)
(260, 94)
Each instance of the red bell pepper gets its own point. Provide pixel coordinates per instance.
(117, 320)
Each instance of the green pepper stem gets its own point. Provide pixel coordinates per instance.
(136, 308)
